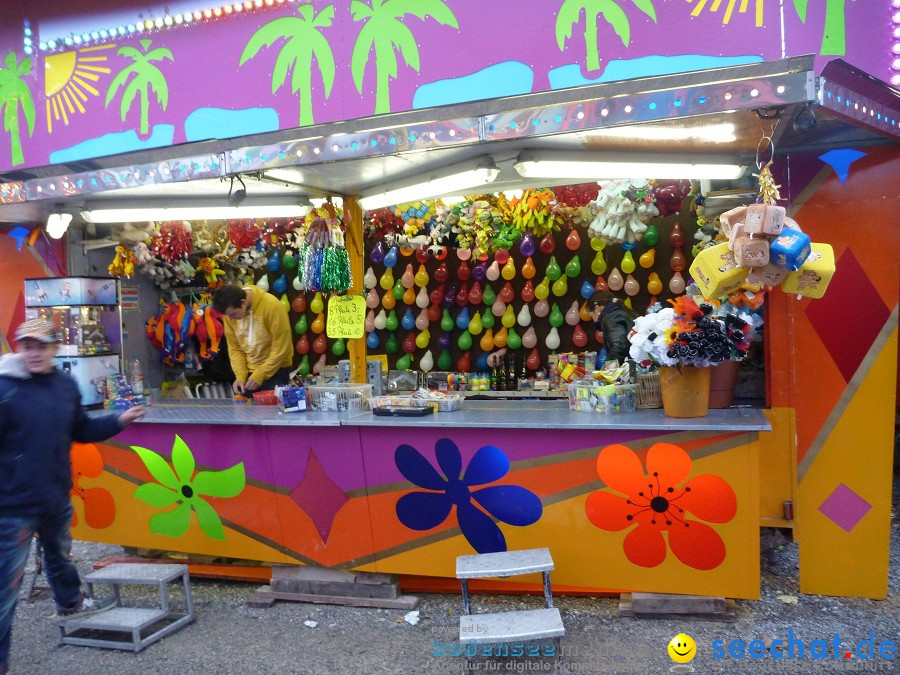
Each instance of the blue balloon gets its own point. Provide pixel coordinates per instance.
(408, 321)
(481, 364)
(280, 285)
(627, 245)
(444, 341)
(390, 258)
(587, 289)
(462, 319)
(377, 254)
(275, 261)
(372, 341)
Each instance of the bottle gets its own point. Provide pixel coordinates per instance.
(494, 378)
(137, 378)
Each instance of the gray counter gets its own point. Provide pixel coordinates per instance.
(474, 414)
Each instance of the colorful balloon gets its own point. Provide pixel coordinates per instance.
(475, 326)
(318, 324)
(464, 341)
(527, 293)
(572, 316)
(526, 245)
(586, 290)
(388, 301)
(542, 290)
(301, 326)
(423, 338)
(421, 279)
(427, 362)
(547, 244)
(498, 308)
(598, 244)
(560, 286)
(445, 360)
(556, 316)
(501, 337)
(303, 368)
(628, 263)
(434, 312)
(475, 295)
(523, 318)
(677, 236)
(648, 258)
(677, 262)
(464, 363)
(404, 362)
(541, 308)
(487, 341)
(380, 320)
(408, 279)
(377, 254)
(529, 340)
(509, 318)
(509, 270)
(444, 341)
(489, 297)
(533, 362)
(320, 344)
(573, 267)
(437, 295)
(480, 270)
(408, 321)
(631, 286)
(493, 272)
(651, 235)
(387, 280)
(390, 258)
(446, 321)
(462, 319)
(372, 341)
(422, 298)
(409, 343)
(263, 283)
(513, 341)
(338, 347)
(369, 325)
(274, 263)
(553, 270)
(409, 296)
(463, 273)
(676, 283)
(615, 280)
(507, 294)
(441, 274)
(280, 285)
(462, 297)
(552, 339)
(392, 322)
(487, 319)
(600, 284)
(392, 345)
(598, 264)
(302, 345)
(573, 241)
(528, 269)
(579, 337)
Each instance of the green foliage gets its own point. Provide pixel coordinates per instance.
(303, 42)
(15, 94)
(147, 78)
(570, 14)
(800, 6)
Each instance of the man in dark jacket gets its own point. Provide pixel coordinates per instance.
(40, 417)
(611, 318)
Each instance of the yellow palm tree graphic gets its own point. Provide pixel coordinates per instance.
(303, 42)
(15, 94)
(384, 31)
(147, 78)
(570, 13)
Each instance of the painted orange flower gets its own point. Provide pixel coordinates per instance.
(657, 502)
(99, 505)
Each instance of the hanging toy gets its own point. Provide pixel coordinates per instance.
(123, 263)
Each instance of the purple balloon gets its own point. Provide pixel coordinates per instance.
(478, 272)
(444, 341)
(526, 246)
(377, 254)
(449, 298)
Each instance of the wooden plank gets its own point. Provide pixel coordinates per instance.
(727, 615)
(403, 602)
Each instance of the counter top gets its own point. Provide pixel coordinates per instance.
(475, 414)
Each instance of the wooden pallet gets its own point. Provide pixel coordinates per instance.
(667, 606)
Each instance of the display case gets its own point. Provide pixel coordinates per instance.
(86, 316)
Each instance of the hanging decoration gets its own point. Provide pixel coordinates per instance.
(324, 264)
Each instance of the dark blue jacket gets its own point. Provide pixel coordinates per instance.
(40, 416)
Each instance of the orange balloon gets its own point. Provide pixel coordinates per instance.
(528, 269)
(388, 301)
(409, 296)
(500, 337)
(318, 324)
(487, 340)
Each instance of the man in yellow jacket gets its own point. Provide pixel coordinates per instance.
(259, 337)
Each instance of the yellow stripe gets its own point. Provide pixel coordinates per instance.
(715, 6)
(729, 11)
(49, 121)
(55, 109)
(68, 101)
(97, 47)
(759, 13)
(84, 59)
(62, 110)
(85, 85)
(90, 76)
(699, 8)
(96, 69)
(80, 94)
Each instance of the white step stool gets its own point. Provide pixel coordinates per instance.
(130, 628)
(514, 626)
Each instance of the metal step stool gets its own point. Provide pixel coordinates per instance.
(514, 626)
(131, 628)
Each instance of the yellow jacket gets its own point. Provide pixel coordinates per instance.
(260, 343)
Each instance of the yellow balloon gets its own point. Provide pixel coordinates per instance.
(583, 313)
(560, 286)
(317, 305)
(387, 279)
(422, 339)
(318, 324)
(285, 303)
(648, 258)
(421, 277)
(598, 264)
(509, 318)
(475, 325)
(509, 270)
(654, 284)
(542, 290)
(628, 263)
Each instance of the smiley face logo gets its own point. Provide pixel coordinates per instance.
(682, 648)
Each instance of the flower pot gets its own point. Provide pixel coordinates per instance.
(685, 391)
(722, 379)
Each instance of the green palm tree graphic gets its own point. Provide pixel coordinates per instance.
(835, 30)
(384, 31)
(14, 93)
(570, 13)
(147, 78)
(303, 41)
(183, 487)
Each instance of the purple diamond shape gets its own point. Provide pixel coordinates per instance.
(319, 496)
(844, 507)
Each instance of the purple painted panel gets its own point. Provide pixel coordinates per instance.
(210, 94)
(337, 449)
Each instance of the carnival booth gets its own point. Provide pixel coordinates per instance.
(711, 204)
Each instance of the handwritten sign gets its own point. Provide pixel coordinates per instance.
(346, 316)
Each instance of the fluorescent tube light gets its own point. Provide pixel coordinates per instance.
(57, 224)
(98, 214)
(464, 177)
(711, 133)
(597, 165)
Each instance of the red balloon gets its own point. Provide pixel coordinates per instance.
(528, 291)
(600, 284)
(475, 295)
(437, 295)
(501, 257)
(320, 344)
(462, 297)
(507, 293)
(573, 241)
(441, 273)
(533, 362)
(422, 255)
(409, 342)
(598, 336)
(677, 236)
(303, 345)
(299, 304)
(579, 337)
(547, 244)
(677, 262)
(464, 364)
(463, 272)
(434, 311)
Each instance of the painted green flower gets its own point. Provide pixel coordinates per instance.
(184, 487)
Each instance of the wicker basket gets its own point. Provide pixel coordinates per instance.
(648, 394)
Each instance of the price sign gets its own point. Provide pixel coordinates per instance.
(346, 316)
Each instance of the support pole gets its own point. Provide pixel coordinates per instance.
(354, 242)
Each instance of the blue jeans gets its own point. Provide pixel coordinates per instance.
(15, 541)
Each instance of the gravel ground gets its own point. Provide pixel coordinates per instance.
(229, 636)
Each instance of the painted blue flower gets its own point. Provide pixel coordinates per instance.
(510, 504)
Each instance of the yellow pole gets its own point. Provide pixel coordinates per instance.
(354, 241)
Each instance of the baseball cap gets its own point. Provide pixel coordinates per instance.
(36, 329)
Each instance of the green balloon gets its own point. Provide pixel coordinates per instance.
(444, 360)
(651, 236)
(553, 271)
(447, 321)
(399, 290)
(289, 261)
(304, 366)
(487, 321)
(392, 344)
(488, 297)
(302, 325)
(513, 341)
(404, 362)
(464, 341)
(556, 317)
(391, 323)
(338, 348)
(573, 268)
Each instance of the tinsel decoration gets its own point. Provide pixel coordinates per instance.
(768, 190)
(172, 242)
(324, 264)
